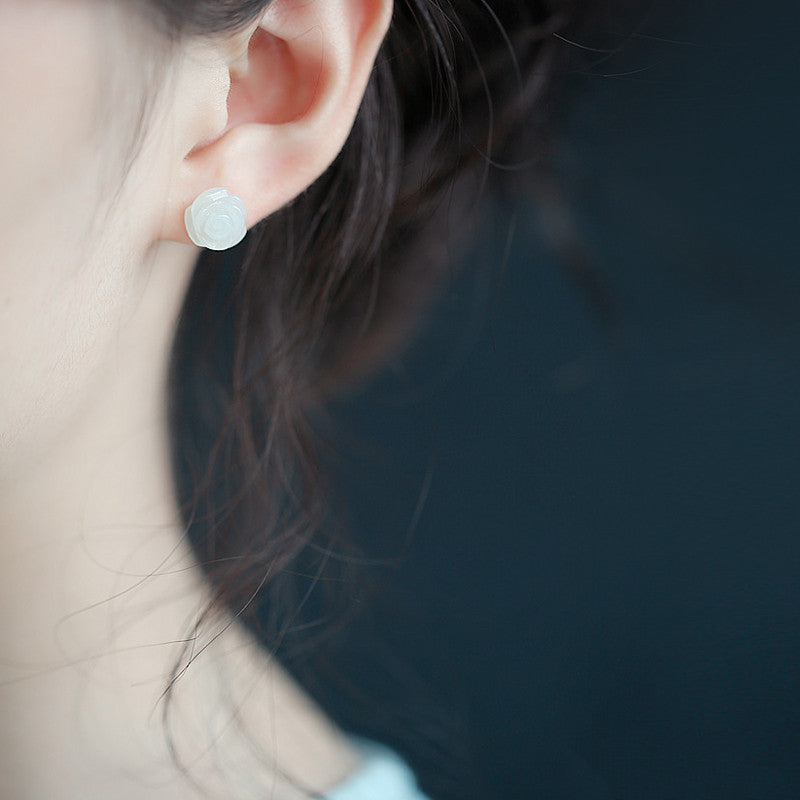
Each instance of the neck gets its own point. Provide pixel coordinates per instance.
(99, 590)
(96, 582)
(93, 514)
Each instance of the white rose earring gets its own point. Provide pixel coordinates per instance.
(216, 220)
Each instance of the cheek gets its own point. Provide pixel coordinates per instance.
(61, 282)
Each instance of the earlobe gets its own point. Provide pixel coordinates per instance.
(291, 104)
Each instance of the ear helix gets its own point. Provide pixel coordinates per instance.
(216, 220)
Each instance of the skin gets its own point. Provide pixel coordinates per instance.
(97, 583)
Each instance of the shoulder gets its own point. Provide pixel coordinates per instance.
(383, 773)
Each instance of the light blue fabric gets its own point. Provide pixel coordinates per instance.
(383, 776)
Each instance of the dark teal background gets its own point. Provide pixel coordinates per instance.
(601, 595)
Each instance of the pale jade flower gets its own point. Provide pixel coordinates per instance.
(216, 219)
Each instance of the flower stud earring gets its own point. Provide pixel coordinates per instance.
(216, 219)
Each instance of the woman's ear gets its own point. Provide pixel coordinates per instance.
(292, 98)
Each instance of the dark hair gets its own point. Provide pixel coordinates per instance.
(316, 297)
